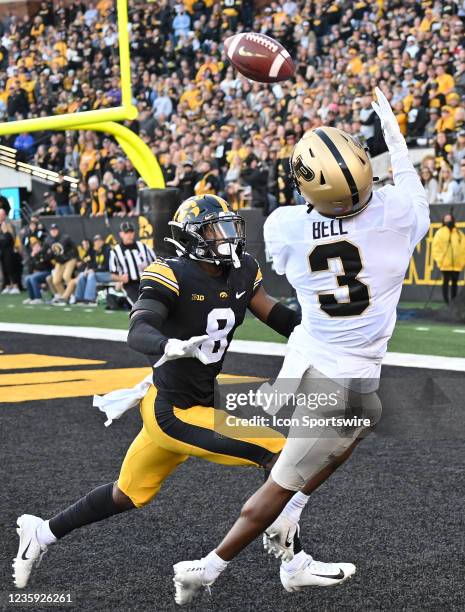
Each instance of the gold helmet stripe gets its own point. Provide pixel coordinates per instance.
(220, 201)
(342, 165)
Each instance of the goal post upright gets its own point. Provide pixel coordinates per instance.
(104, 120)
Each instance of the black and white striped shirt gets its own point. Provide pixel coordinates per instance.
(131, 259)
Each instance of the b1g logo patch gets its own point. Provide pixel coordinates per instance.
(301, 170)
(198, 297)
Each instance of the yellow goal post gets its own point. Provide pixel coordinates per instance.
(105, 119)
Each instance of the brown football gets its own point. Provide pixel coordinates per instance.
(259, 57)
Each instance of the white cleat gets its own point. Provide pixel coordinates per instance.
(278, 539)
(30, 552)
(189, 580)
(316, 573)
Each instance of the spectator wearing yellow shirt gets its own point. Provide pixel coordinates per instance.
(88, 159)
(444, 80)
(427, 21)
(97, 195)
(401, 117)
(104, 7)
(446, 122)
(37, 27)
(355, 65)
(191, 97)
(209, 182)
(209, 66)
(449, 254)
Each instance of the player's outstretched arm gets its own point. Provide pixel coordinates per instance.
(405, 176)
(145, 336)
(274, 314)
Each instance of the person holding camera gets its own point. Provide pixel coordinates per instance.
(40, 266)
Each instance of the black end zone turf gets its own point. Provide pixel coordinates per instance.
(396, 509)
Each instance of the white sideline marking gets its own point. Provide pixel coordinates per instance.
(459, 331)
(422, 328)
(250, 347)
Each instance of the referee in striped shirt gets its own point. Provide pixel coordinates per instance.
(129, 259)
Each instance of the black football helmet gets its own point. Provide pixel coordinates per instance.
(203, 228)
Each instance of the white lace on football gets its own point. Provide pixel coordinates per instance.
(265, 42)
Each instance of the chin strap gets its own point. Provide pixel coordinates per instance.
(235, 259)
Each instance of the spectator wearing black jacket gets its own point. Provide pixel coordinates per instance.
(98, 271)
(255, 174)
(17, 103)
(65, 256)
(11, 271)
(417, 121)
(40, 266)
(185, 179)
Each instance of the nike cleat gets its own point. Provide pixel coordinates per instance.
(189, 580)
(278, 539)
(316, 573)
(30, 552)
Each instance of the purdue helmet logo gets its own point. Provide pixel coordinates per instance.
(300, 169)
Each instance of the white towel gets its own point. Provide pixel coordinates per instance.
(116, 403)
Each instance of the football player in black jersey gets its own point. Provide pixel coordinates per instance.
(184, 320)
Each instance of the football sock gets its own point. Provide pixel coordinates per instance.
(294, 506)
(297, 544)
(44, 534)
(214, 565)
(295, 563)
(95, 506)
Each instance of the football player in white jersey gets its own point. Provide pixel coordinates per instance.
(346, 256)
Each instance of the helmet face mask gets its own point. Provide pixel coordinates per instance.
(332, 171)
(204, 229)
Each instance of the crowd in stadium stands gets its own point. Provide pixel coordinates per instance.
(38, 259)
(211, 129)
(214, 130)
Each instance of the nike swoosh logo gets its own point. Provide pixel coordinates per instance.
(336, 577)
(23, 556)
(244, 53)
(239, 295)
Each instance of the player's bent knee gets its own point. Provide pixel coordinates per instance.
(121, 500)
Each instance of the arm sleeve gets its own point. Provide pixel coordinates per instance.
(159, 292)
(410, 207)
(283, 319)
(274, 245)
(145, 335)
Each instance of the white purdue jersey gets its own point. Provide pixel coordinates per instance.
(348, 272)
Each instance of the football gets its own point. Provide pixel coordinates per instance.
(259, 57)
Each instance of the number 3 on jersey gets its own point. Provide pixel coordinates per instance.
(349, 255)
(220, 322)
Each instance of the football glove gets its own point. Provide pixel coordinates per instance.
(178, 349)
(391, 130)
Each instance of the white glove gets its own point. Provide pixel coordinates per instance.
(391, 130)
(177, 349)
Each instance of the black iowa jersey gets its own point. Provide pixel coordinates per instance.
(198, 304)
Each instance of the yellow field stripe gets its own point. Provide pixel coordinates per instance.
(21, 361)
(32, 386)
